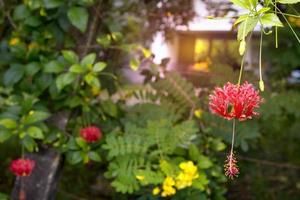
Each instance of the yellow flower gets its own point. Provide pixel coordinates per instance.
(167, 187)
(168, 191)
(198, 113)
(188, 168)
(139, 177)
(14, 41)
(156, 191)
(183, 180)
(188, 174)
(169, 181)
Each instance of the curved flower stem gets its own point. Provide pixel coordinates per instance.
(241, 69)
(287, 21)
(276, 30)
(261, 82)
(233, 137)
(243, 60)
(260, 55)
(22, 150)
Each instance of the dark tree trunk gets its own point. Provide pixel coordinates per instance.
(42, 183)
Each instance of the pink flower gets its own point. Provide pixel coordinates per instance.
(234, 101)
(230, 167)
(91, 133)
(22, 167)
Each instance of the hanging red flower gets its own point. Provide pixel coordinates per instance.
(91, 133)
(234, 101)
(22, 167)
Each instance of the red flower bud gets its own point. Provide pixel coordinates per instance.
(22, 167)
(91, 133)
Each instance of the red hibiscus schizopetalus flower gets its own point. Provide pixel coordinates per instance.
(22, 167)
(234, 101)
(91, 133)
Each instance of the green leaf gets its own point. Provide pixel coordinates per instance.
(70, 56)
(35, 132)
(92, 80)
(94, 156)
(35, 116)
(104, 40)
(76, 68)
(263, 10)
(72, 145)
(52, 3)
(242, 3)
(32, 68)
(99, 66)
(241, 19)
(166, 168)
(4, 135)
(54, 66)
(204, 162)
(21, 12)
(74, 157)
(253, 3)
(218, 145)
(8, 123)
(288, 1)
(246, 27)
(81, 142)
(194, 152)
(200, 182)
(267, 2)
(29, 143)
(110, 108)
(13, 74)
(88, 60)
(78, 17)
(33, 21)
(65, 79)
(270, 19)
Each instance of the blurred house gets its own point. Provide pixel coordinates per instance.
(194, 47)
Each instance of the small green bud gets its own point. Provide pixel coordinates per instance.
(261, 85)
(242, 47)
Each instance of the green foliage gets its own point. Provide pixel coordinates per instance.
(246, 131)
(78, 17)
(140, 146)
(176, 94)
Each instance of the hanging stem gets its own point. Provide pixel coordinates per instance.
(22, 150)
(241, 69)
(295, 34)
(261, 82)
(260, 56)
(233, 137)
(276, 30)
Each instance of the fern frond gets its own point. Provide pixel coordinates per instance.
(177, 90)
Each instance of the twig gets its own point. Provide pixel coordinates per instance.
(92, 32)
(6, 13)
(270, 163)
